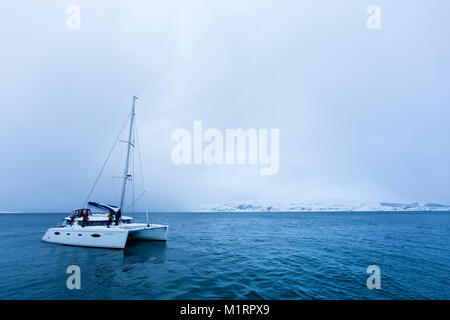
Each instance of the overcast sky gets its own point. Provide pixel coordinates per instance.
(363, 114)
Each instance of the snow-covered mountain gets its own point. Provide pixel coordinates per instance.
(322, 205)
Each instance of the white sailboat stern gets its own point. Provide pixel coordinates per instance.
(154, 232)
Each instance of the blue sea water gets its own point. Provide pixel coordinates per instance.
(238, 256)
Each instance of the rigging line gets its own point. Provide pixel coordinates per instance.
(104, 165)
(114, 187)
(142, 171)
(137, 199)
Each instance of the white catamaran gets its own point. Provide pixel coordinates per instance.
(108, 229)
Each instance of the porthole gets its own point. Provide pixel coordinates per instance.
(95, 235)
(57, 233)
(68, 234)
(79, 234)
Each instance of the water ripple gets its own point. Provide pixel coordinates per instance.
(239, 256)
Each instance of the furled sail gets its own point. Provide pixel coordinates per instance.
(106, 207)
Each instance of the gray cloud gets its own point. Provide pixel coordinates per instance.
(362, 114)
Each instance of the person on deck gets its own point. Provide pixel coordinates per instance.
(72, 219)
(110, 216)
(118, 214)
(85, 218)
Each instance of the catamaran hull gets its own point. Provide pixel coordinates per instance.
(84, 238)
(114, 237)
(154, 233)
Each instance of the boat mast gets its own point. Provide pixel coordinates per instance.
(126, 175)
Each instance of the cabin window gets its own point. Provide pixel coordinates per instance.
(95, 235)
(57, 233)
(79, 234)
(79, 213)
